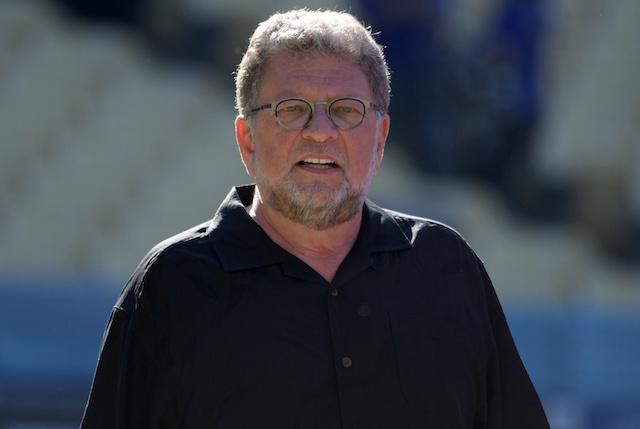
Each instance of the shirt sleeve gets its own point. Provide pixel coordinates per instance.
(134, 384)
(102, 407)
(512, 401)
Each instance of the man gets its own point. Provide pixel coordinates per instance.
(301, 304)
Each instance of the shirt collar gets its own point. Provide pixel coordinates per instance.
(241, 244)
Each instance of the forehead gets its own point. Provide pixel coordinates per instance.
(313, 75)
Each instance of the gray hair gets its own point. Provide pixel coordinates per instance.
(314, 33)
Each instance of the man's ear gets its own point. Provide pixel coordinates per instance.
(383, 133)
(244, 139)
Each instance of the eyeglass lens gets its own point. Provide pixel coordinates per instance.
(345, 113)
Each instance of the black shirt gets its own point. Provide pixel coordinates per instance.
(219, 327)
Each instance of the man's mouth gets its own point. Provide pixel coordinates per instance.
(318, 163)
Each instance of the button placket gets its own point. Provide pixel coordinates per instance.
(345, 361)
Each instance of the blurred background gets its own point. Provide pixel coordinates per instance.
(514, 121)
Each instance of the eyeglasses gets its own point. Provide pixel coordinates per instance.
(296, 113)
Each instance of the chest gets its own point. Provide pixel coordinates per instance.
(305, 351)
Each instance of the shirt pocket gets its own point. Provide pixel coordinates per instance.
(437, 366)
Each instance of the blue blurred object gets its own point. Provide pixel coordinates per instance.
(584, 364)
(49, 343)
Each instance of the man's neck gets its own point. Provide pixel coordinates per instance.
(322, 250)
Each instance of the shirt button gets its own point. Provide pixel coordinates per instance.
(334, 292)
(364, 309)
(347, 362)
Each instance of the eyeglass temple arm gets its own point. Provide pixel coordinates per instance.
(257, 109)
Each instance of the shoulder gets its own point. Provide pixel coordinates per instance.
(164, 269)
(439, 243)
(190, 245)
(416, 228)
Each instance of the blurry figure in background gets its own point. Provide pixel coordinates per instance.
(170, 31)
(511, 52)
(467, 110)
(412, 31)
(125, 12)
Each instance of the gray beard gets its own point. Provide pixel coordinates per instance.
(291, 203)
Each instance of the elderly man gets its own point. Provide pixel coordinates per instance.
(301, 304)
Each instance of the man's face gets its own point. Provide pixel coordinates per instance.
(317, 176)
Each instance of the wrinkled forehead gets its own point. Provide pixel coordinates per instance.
(315, 70)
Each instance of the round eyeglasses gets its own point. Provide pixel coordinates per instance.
(296, 113)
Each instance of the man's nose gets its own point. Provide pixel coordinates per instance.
(320, 126)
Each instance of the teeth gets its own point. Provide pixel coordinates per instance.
(318, 161)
